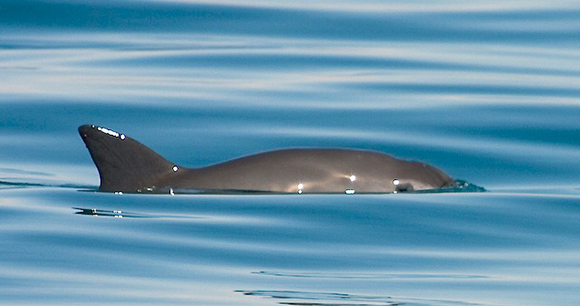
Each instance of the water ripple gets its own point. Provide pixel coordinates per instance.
(343, 299)
(372, 276)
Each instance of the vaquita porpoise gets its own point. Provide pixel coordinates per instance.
(126, 165)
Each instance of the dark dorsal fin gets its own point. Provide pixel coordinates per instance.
(124, 164)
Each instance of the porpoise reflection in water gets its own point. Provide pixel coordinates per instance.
(125, 165)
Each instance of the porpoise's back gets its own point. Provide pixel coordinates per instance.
(319, 171)
(126, 165)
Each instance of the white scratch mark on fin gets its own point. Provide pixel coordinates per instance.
(110, 132)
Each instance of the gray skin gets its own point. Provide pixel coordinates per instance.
(126, 165)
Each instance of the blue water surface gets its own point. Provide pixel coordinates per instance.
(488, 91)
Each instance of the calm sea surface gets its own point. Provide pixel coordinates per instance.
(488, 91)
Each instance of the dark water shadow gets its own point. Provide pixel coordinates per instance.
(95, 212)
(109, 213)
(312, 298)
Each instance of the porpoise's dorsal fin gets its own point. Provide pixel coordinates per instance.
(124, 164)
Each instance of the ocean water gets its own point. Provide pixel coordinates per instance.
(488, 91)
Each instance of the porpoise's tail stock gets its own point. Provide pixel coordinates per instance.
(123, 163)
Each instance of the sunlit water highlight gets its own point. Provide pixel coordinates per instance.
(487, 91)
